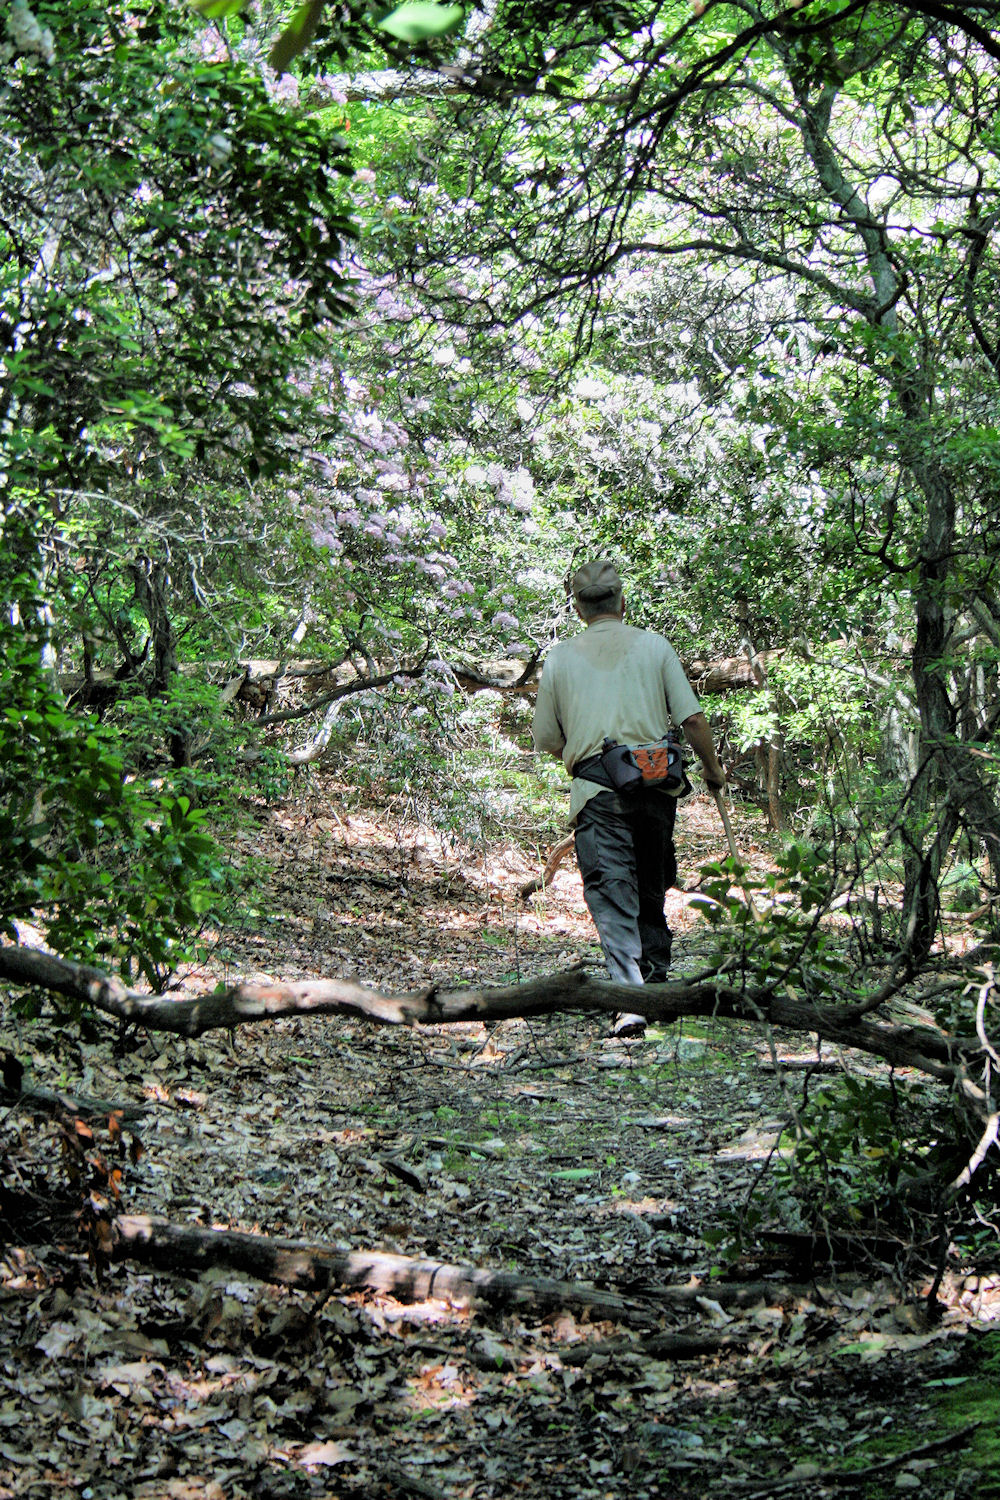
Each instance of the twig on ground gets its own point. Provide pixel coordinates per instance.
(854, 1476)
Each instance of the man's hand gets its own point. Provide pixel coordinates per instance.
(699, 737)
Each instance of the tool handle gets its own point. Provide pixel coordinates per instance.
(757, 914)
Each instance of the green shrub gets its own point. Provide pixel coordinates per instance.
(114, 870)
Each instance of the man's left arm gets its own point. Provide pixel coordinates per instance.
(699, 736)
(682, 703)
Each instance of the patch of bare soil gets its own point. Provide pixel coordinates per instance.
(539, 1147)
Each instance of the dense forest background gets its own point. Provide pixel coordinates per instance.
(335, 337)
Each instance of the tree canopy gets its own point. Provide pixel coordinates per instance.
(811, 192)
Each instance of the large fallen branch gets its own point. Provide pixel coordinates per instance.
(190, 1249)
(258, 680)
(942, 1057)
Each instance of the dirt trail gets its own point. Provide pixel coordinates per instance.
(540, 1147)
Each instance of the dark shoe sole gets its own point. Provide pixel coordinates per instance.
(627, 1029)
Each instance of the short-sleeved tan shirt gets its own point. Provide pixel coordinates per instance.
(611, 680)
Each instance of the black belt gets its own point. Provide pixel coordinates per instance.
(592, 770)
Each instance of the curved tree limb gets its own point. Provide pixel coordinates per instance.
(552, 864)
(346, 690)
(945, 1058)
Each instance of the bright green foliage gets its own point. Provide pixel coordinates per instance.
(789, 946)
(859, 1141)
(172, 233)
(190, 712)
(417, 20)
(170, 255)
(118, 873)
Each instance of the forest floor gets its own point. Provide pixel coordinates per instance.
(541, 1147)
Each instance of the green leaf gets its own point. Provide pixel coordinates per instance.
(217, 10)
(297, 35)
(416, 20)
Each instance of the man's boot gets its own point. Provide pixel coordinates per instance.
(628, 1025)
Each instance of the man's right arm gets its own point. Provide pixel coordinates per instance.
(699, 737)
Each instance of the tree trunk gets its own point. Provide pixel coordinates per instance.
(152, 590)
(152, 584)
(947, 762)
(767, 759)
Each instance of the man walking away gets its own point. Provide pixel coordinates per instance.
(618, 684)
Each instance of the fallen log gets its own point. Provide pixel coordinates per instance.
(257, 680)
(190, 1249)
(731, 674)
(804, 1250)
(946, 1058)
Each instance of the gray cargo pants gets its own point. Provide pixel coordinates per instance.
(625, 850)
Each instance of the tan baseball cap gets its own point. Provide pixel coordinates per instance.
(596, 581)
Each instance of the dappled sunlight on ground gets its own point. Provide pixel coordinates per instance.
(538, 1148)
